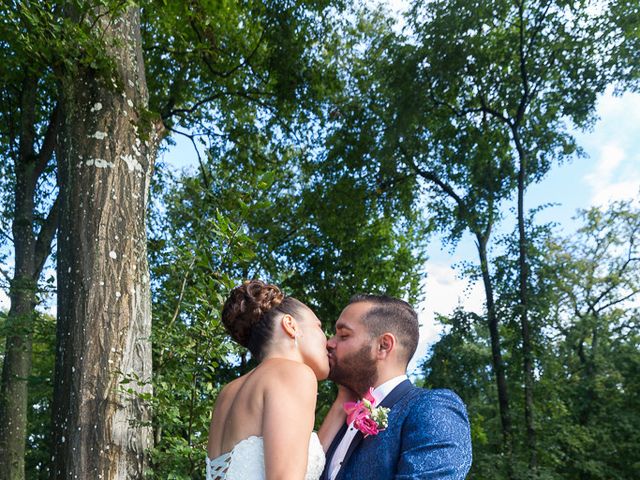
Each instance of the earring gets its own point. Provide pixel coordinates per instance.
(295, 340)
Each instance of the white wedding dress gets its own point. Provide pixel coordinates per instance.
(246, 461)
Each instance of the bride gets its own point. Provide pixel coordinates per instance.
(262, 424)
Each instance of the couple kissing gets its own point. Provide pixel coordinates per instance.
(380, 425)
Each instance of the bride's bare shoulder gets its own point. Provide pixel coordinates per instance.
(224, 401)
(229, 391)
(221, 410)
(227, 396)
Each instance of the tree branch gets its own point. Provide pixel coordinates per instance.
(49, 142)
(170, 112)
(630, 295)
(231, 71)
(524, 100)
(27, 118)
(4, 234)
(205, 177)
(432, 177)
(463, 112)
(45, 238)
(6, 275)
(185, 279)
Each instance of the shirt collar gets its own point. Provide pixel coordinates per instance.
(381, 391)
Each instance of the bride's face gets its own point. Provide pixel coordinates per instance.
(312, 343)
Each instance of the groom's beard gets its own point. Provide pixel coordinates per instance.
(356, 371)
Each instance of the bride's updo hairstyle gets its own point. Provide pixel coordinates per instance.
(250, 311)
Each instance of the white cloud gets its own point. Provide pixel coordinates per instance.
(614, 176)
(625, 106)
(623, 190)
(614, 143)
(611, 156)
(444, 292)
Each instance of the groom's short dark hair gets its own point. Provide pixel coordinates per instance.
(389, 314)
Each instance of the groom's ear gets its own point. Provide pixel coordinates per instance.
(387, 343)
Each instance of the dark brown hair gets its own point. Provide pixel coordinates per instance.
(249, 313)
(389, 314)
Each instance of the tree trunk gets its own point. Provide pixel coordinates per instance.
(496, 355)
(527, 351)
(105, 160)
(15, 376)
(496, 352)
(31, 252)
(588, 375)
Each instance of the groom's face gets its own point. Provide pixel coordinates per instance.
(351, 350)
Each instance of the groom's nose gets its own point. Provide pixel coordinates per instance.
(331, 343)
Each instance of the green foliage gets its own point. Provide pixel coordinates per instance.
(253, 218)
(40, 397)
(38, 452)
(26, 54)
(231, 66)
(624, 34)
(197, 254)
(474, 86)
(52, 39)
(585, 311)
(596, 278)
(335, 145)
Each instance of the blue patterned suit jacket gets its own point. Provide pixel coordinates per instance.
(428, 437)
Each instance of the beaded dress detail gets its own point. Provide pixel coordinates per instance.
(246, 461)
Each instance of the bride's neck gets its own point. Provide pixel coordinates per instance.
(288, 352)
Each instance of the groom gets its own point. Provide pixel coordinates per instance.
(427, 436)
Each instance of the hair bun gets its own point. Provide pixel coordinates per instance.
(246, 306)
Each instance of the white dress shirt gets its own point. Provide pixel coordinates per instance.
(379, 393)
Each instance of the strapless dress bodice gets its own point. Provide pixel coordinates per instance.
(246, 461)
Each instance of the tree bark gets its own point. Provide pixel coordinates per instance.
(31, 252)
(482, 239)
(496, 351)
(527, 350)
(105, 160)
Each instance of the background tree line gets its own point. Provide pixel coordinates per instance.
(335, 143)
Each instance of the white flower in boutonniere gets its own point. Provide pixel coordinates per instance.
(365, 416)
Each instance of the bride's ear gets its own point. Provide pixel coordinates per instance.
(289, 325)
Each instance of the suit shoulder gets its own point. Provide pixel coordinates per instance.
(437, 412)
(435, 399)
(439, 394)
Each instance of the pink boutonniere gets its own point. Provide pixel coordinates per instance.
(365, 416)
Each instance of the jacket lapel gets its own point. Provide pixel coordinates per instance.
(389, 401)
(332, 450)
(396, 394)
(336, 442)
